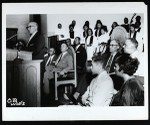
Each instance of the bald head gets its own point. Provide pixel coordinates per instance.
(32, 27)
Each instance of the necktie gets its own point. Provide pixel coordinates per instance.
(49, 61)
(58, 59)
(29, 40)
(109, 64)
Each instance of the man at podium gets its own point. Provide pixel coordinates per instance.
(36, 42)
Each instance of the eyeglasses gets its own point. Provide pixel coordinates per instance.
(113, 45)
(29, 27)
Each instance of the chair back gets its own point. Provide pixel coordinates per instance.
(67, 79)
(74, 66)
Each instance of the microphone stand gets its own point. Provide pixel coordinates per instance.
(18, 59)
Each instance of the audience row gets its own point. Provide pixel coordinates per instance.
(109, 67)
(114, 64)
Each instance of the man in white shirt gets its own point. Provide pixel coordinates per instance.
(50, 57)
(130, 47)
(49, 60)
(63, 64)
(101, 89)
(36, 42)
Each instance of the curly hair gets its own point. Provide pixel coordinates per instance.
(130, 94)
(127, 64)
(133, 93)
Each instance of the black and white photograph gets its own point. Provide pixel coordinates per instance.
(74, 61)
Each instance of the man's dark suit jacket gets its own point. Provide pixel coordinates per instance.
(37, 46)
(81, 57)
(46, 57)
(117, 80)
(113, 61)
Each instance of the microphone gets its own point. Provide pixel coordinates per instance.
(11, 37)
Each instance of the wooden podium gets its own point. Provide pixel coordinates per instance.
(23, 80)
(11, 54)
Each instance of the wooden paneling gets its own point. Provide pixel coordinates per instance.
(25, 84)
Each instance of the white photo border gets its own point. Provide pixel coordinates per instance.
(73, 113)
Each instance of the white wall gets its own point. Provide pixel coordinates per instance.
(66, 19)
(15, 20)
(19, 21)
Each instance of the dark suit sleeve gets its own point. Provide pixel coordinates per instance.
(81, 57)
(40, 44)
(45, 59)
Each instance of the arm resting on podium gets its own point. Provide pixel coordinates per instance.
(11, 54)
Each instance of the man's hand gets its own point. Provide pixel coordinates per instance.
(62, 72)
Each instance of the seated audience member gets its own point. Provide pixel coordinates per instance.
(71, 51)
(132, 91)
(63, 64)
(36, 42)
(114, 24)
(111, 57)
(101, 89)
(130, 47)
(70, 47)
(81, 57)
(126, 24)
(50, 57)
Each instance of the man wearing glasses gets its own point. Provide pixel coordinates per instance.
(114, 53)
(36, 42)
